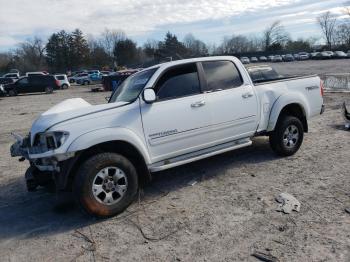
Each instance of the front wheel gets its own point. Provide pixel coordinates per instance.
(12, 92)
(105, 184)
(287, 137)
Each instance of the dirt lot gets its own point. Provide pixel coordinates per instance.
(226, 216)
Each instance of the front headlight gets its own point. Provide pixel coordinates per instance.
(51, 140)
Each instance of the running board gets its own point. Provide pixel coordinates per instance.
(204, 153)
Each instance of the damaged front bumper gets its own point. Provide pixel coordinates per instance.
(37, 156)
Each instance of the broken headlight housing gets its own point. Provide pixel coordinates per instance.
(50, 140)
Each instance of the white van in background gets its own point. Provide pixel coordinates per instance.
(63, 81)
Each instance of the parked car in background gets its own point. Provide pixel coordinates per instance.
(35, 73)
(254, 59)
(303, 56)
(263, 59)
(72, 79)
(313, 55)
(296, 57)
(270, 58)
(331, 53)
(6, 80)
(340, 55)
(288, 58)
(106, 73)
(83, 79)
(32, 84)
(11, 75)
(91, 72)
(94, 77)
(323, 55)
(63, 80)
(277, 58)
(245, 60)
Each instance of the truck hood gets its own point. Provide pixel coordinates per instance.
(67, 110)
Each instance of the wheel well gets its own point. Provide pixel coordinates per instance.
(297, 111)
(120, 147)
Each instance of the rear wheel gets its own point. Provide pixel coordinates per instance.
(105, 184)
(64, 86)
(48, 90)
(287, 137)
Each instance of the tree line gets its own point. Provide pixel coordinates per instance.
(113, 49)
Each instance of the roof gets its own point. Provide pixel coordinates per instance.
(193, 60)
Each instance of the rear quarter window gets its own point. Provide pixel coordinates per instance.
(221, 75)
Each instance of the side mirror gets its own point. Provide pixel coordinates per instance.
(149, 96)
(107, 98)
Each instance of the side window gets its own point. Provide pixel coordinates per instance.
(178, 82)
(255, 75)
(60, 77)
(23, 81)
(221, 75)
(269, 74)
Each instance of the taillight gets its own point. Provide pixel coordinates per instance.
(322, 88)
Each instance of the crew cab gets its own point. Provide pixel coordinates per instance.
(159, 118)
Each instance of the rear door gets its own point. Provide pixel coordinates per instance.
(177, 122)
(233, 103)
(36, 83)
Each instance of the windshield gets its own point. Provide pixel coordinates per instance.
(130, 89)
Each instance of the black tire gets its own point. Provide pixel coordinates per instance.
(64, 86)
(48, 90)
(86, 83)
(12, 92)
(287, 144)
(87, 177)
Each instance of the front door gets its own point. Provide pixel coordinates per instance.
(176, 123)
(233, 103)
(22, 85)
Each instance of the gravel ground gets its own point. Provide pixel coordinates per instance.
(228, 214)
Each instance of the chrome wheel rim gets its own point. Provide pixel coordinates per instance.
(110, 185)
(291, 136)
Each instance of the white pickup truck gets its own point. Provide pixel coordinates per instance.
(162, 117)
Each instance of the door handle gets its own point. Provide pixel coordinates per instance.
(198, 104)
(247, 95)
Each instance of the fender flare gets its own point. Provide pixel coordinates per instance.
(103, 135)
(282, 102)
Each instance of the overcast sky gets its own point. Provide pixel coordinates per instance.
(209, 20)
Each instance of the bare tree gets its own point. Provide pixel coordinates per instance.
(346, 8)
(195, 47)
(275, 35)
(327, 22)
(30, 55)
(110, 38)
(5, 61)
